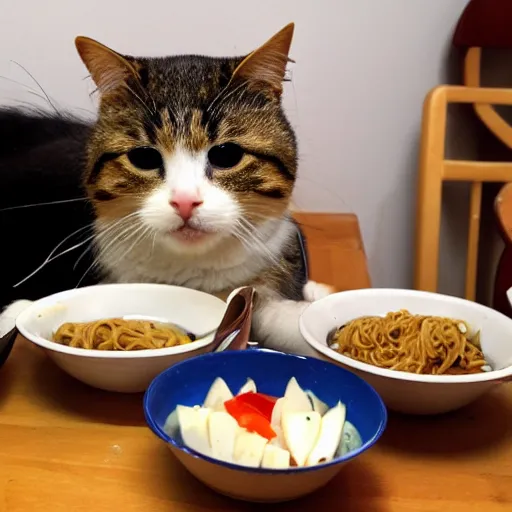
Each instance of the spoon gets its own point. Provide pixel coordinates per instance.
(191, 335)
(165, 323)
(224, 344)
(330, 335)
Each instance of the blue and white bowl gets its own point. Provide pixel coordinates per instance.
(187, 383)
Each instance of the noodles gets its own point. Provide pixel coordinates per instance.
(119, 334)
(411, 343)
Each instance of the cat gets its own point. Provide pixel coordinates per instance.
(185, 178)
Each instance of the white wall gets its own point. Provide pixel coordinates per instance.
(363, 69)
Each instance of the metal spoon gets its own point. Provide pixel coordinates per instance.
(165, 323)
(191, 335)
(224, 344)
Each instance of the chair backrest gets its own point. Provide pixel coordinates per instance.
(485, 24)
(333, 249)
(503, 278)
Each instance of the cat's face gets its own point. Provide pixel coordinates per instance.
(190, 149)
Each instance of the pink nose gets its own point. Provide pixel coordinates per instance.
(185, 203)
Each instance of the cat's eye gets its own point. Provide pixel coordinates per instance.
(145, 158)
(225, 156)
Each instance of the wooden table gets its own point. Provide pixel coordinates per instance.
(64, 444)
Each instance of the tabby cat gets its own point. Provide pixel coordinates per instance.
(185, 178)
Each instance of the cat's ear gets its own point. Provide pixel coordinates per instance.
(108, 69)
(267, 64)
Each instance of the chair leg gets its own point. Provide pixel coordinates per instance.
(475, 207)
(428, 214)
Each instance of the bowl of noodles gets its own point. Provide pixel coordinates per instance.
(424, 353)
(118, 337)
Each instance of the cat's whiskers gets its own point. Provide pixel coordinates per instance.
(252, 228)
(261, 241)
(262, 254)
(113, 237)
(101, 233)
(91, 266)
(122, 242)
(60, 244)
(32, 90)
(76, 246)
(29, 90)
(116, 250)
(255, 242)
(264, 218)
(48, 203)
(123, 225)
(246, 244)
(110, 228)
(153, 245)
(112, 243)
(248, 232)
(140, 234)
(52, 255)
(50, 102)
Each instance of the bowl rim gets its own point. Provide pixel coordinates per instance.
(494, 375)
(237, 467)
(106, 354)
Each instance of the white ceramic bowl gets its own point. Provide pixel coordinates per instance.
(127, 372)
(406, 392)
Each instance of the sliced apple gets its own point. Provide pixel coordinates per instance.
(248, 387)
(194, 428)
(222, 430)
(317, 404)
(301, 430)
(277, 411)
(296, 400)
(217, 395)
(328, 441)
(275, 457)
(249, 448)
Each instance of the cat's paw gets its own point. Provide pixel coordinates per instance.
(315, 291)
(276, 326)
(9, 315)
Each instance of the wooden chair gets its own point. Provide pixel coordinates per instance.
(503, 280)
(484, 24)
(335, 250)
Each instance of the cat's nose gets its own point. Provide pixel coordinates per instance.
(185, 203)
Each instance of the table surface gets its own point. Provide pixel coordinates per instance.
(63, 443)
